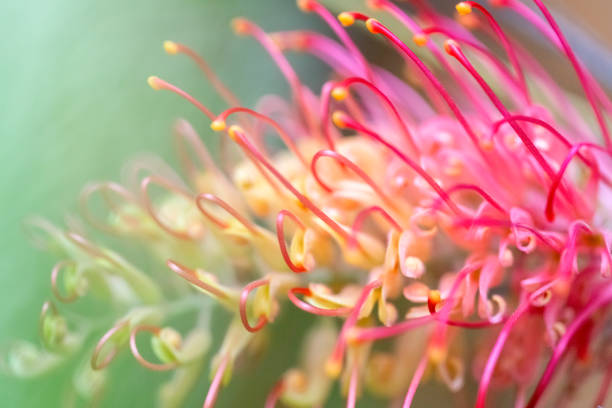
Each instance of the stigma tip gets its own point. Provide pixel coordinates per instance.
(463, 8)
(346, 19)
(218, 125)
(420, 39)
(170, 47)
(153, 82)
(339, 93)
(338, 119)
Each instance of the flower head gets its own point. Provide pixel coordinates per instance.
(457, 217)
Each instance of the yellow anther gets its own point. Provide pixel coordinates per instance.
(463, 8)
(338, 119)
(218, 125)
(420, 39)
(346, 19)
(306, 5)
(234, 131)
(339, 93)
(153, 82)
(171, 337)
(333, 367)
(241, 26)
(371, 24)
(449, 45)
(171, 47)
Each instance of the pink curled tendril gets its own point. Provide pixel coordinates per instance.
(262, 320)
(136, 353)
(280, 235)
(54, 278)
(95, 364)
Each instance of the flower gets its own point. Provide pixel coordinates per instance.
(458, 217)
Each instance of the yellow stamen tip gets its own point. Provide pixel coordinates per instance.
(449, 45)
(463, 8)
(153, 82)
(371, 24)
(234, 130)
(338, 119)
(171, 47)
(339, 93)
(241, 26)
(420, 39)
(434, 296)
(306, 5)
(333, 368)
(346, 19)
(218, 125)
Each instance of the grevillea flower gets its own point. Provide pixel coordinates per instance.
(451, 231)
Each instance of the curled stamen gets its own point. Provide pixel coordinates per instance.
(49, 312)
(108, 336)
(157, 84)
(213, 391)
(338, 94)
(218, 124)
(244, 295)
(550, 199)
(191, 276)
(136, 353)
(104, 189)
(341, 311)
(71, 297)
(172, 48)
(144, 188)
(280, 235)
(354, 167)
(475, 188)
(343, 120)
(211, 198)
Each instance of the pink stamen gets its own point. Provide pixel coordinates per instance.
(503, 39)
(54, 277)
(211, 198)
(416, 379)
(223, 90)
(213, 391)
(352, 124)
(245, 143)
(191, 276)
(356, 80)
(244, 295)
(275, 394)
(95, 364)
(363, 214)
(280, 235)
(144, 189)
(184, 132)
(579, 71)
(353, 383)
(346, 162)
(325, 122)
(136, 353)
(281, 132)
(475, 188)
(157, 83)
(550, 199)
(308, 308)
(604, 298)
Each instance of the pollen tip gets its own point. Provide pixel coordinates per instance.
(371, 24)
(339, 93)
(463, 8)
(171, 47)
(346, 19)
(153, 82)
(420, 39)
(241, 26)
(449, 45)
(218, 125)
(333, 367)
(306, 5)
(338, 119)
(234, 130)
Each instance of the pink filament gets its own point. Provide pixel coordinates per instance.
(280, 235)
(213, 391)
(136, 353)
(416, 379)
(308, 308)
(353, 383)
(244, 295)
(211, 198)
(190, 276)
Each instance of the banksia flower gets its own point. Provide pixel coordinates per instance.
(451, 231)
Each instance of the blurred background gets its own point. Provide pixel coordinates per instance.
(74, 106)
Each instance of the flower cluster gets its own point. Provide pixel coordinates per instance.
(449, 228)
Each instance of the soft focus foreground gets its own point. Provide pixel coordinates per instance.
(443, 226)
